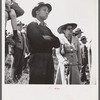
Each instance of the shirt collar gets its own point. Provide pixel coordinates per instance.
(18, 31)
(39, 23)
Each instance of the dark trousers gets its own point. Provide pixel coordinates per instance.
(41, 69)
(6, 49)
(18, 62)
(25, 62)
(84, 77)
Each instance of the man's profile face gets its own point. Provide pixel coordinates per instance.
(79, 35)
(43, 12)
(84, 41)
(19, 27)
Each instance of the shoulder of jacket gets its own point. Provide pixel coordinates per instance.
(32, 24)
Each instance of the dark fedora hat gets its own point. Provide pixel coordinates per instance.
(41, 4)
(63, 27)
(83, 38)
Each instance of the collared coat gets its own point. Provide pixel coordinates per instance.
(41, 61)
(73, 54)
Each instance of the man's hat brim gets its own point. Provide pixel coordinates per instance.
(39, 6)
(63, 27)
(20, 24)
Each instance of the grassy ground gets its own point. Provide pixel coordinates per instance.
(25, 74)
(23, 80)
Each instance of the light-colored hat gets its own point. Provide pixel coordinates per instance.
(41, 4)
(63, 27)
(78, 31)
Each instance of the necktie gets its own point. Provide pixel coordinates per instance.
(85, 49)
(86, 54)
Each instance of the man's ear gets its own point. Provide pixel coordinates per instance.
(63, 31)
(37, 12)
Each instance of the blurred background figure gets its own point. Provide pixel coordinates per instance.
(78, 33)
(84, 54)
(12, 11)
(8, 40)
(26, 47)
(18, 54)
(9, 47)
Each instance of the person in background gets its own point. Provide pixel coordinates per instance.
(8, 40)
(18, 54)
(41, 41)
(12, 11)
(70, 53)
(78, 33)
(26, 46)
(8, 49)
(84, 53)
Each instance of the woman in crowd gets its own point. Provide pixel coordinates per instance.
(70, 49)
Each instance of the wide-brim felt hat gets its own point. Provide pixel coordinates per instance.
(63, 27)
(78, 31)
(41, 4)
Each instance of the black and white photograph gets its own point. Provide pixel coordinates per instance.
(50, 45)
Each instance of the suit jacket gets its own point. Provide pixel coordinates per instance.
(84, 54)
(75, 55)
(37, 42)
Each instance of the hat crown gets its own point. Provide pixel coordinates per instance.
(78, 30)
(63, 27)
(40, 4)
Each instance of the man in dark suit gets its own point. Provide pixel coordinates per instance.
(84, 53)
(41, 41)
(18, 54)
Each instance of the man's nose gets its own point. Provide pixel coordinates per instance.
(47, 12)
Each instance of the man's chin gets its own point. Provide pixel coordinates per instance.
(45, 17)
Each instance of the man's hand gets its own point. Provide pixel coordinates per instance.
(47, 37)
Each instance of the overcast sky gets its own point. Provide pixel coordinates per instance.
(82, 12)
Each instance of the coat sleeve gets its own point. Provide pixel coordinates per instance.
(35, 37)
(55, 41)
(19, 11)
